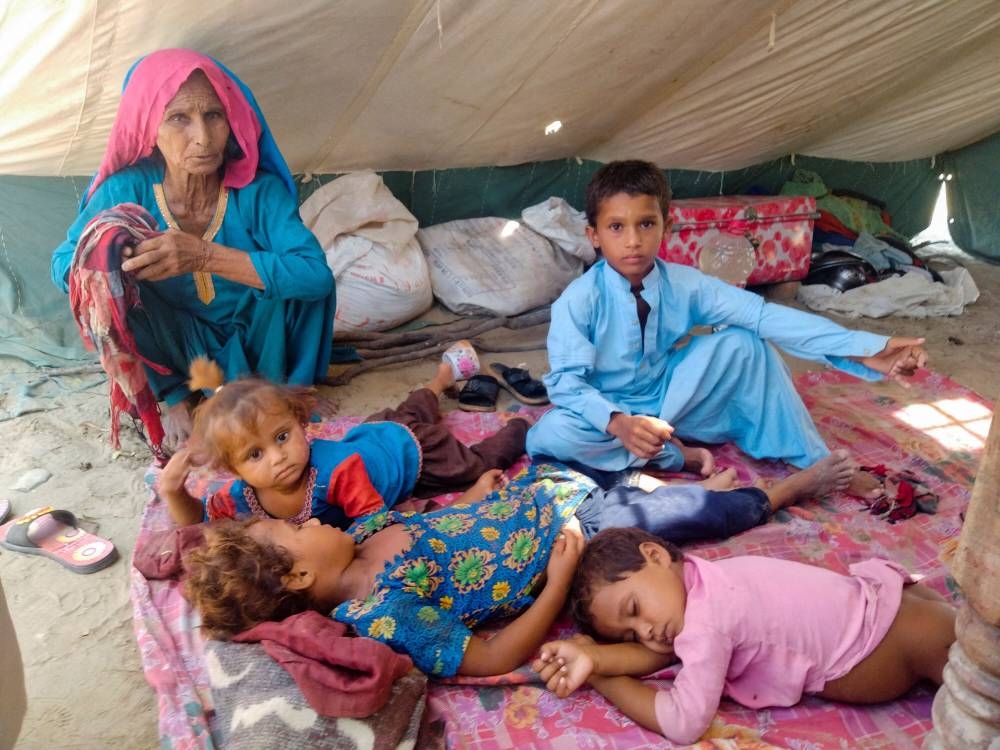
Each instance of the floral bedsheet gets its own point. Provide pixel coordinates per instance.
(935, 430)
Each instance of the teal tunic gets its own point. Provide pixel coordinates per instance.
(283, 332)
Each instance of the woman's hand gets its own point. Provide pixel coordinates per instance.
(565, 555)
(901, 358)
(173, 253)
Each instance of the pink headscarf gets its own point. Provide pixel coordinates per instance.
(149, 87)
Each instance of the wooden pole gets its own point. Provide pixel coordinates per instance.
(966, 709)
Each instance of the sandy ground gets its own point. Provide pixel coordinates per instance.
(84, 679)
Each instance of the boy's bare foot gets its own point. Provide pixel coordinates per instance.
(724, 480)
(864, 485)
(696, 460)
(443, 379)
(830, 474)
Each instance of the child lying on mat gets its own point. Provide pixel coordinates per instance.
(760, 630)
(422, 582)
(417, 581)
(625, 383)
(255, 429)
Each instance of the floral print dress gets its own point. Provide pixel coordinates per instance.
(468, 563)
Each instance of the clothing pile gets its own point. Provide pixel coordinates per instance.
(861, 266)
(904, 495)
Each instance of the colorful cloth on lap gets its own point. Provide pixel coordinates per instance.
(374, 467)
(467, 565)
(100, 298)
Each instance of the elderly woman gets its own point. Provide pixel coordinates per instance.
(236, 276)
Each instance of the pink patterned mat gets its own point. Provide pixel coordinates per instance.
(936, 430)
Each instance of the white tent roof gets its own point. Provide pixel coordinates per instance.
(415, 84)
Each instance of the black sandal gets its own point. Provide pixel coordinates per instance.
(521, 385)
(479, 394)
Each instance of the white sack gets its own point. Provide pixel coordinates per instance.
(368, 237)
(494, 266)
(910, 296)
(563, 225)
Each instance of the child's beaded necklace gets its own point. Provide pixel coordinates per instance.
(299, 518)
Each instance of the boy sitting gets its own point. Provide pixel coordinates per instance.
(625, 388)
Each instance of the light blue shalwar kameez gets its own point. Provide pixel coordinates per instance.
(731, 385)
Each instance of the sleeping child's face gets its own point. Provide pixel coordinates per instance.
(628, 233)
(647, 606)
(321, 553)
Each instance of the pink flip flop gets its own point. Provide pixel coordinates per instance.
(4, 509)
(55, 534)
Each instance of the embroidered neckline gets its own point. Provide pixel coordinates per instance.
(202, 280)
(299, 518)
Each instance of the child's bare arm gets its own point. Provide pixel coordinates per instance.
(512, 646)
(565, 665)
(488, 482)
(184, 508)
(633, 698)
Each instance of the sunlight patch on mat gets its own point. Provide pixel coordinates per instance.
(956, 423)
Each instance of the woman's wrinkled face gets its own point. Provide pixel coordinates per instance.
(194, 130)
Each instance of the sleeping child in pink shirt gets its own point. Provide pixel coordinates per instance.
(762, 631)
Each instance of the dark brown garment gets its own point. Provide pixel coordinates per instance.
(448, 464)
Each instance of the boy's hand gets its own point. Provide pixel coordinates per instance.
(901, 358)
(641, 435)
(566, 665)
(565, 555)
(175, 473)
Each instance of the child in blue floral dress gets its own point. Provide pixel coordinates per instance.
(418, 582)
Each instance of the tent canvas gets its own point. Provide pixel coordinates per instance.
(451, 100)
(436, 84)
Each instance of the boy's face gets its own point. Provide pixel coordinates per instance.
(275, 455)
(320, 551)
(646, 606)
(628, 233)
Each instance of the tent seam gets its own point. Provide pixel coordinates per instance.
(382, 68)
